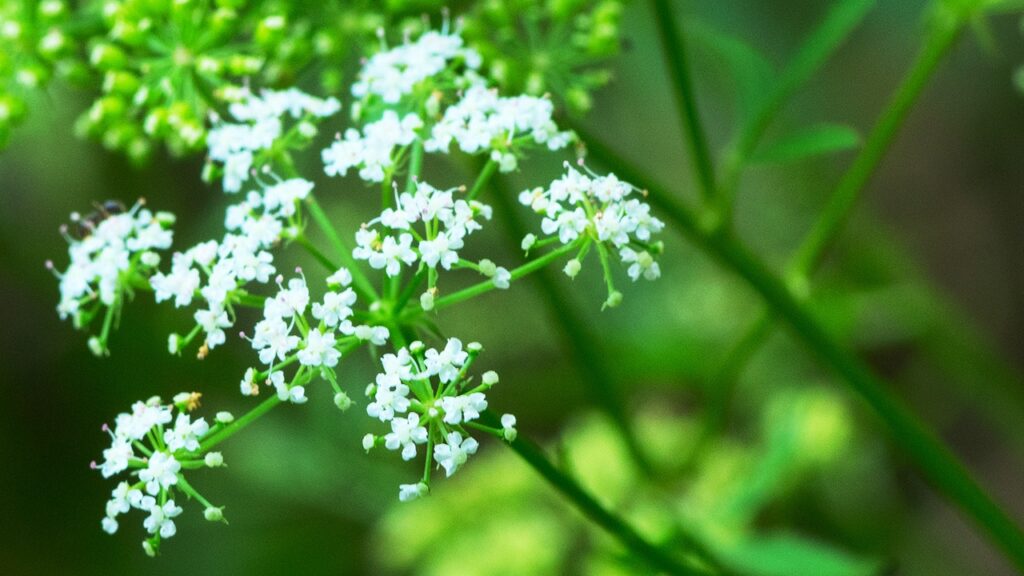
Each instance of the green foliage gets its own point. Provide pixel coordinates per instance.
(808, 143)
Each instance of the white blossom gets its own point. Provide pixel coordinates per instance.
(454, 453)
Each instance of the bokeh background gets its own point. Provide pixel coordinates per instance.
(927, 284)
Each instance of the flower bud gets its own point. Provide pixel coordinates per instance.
(508, 427)
(224, 417)
(214, 459)
(572, 268)
(150, 258)
(614, 299)
(528, 241)
(489, 378)
(173, 340)
(368, 442)
(427, 300)
(96, 347)
(342, 401)
(487, 267)
(214, 514)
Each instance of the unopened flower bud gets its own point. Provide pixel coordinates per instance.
(614, 299)
(488, 268)
(224, 417)
(572, 268)
(489, 378)
(172, 343)
(368, 442)
(214, 514)
(214, 459)
(342, 401)
(427, 300)
(528, 241)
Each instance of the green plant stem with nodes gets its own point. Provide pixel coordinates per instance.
(674, 52)
(928, 453)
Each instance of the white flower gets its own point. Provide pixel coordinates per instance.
(336, 307)
(143, 417)
(273, 338)
(441, 250)
(391, 398)
(294, 394)
(186, 433)
(406, 433)
(454, 453)
(319, 350)
(391, 74)
(109, 525)
(410, 492)
(508, 427)
(160, 473)
(640, 263)
(340, 278)
(115, 458)
(376, 335)
(459, 409)
(248, 385)
(161, 519)
(281, 198)
(446, 363)
(502, 278)
(213, 323)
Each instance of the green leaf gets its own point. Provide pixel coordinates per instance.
(791, 555)
(815, 141)
(750, 71)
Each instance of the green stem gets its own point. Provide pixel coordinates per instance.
(246, 419)
(488, 285)
(481, 180)
(840, 205)
(415, 165)
(654, 556)
(362, 284)
(674, 52)
(315, 252)
(939, 466)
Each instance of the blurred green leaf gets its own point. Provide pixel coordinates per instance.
(791, 555)
(750, 71)
(815, 141)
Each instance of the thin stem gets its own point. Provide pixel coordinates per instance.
(315, 252)
(488, 285)
(481, 180)
(655, 556)
(939, 466)
(246, 419)
(362, 284)
(674, 52)
(842, 201)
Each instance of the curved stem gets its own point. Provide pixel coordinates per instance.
(654, 556)
(315, 252)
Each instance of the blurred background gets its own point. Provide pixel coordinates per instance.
(927, 284)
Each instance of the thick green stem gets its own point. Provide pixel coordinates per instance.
(362, 284)
(674, 52)
(655, 556)
(939, 466)
(481, 181)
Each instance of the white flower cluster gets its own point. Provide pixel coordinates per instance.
(482, 120)
(111, 246)
(412, 81)
(427, 398)
(371, 151)
(259, 124)
(391, 74)
(214, 270)
(445, 223)
(602, 208)
(155, 445)
(285, 335)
